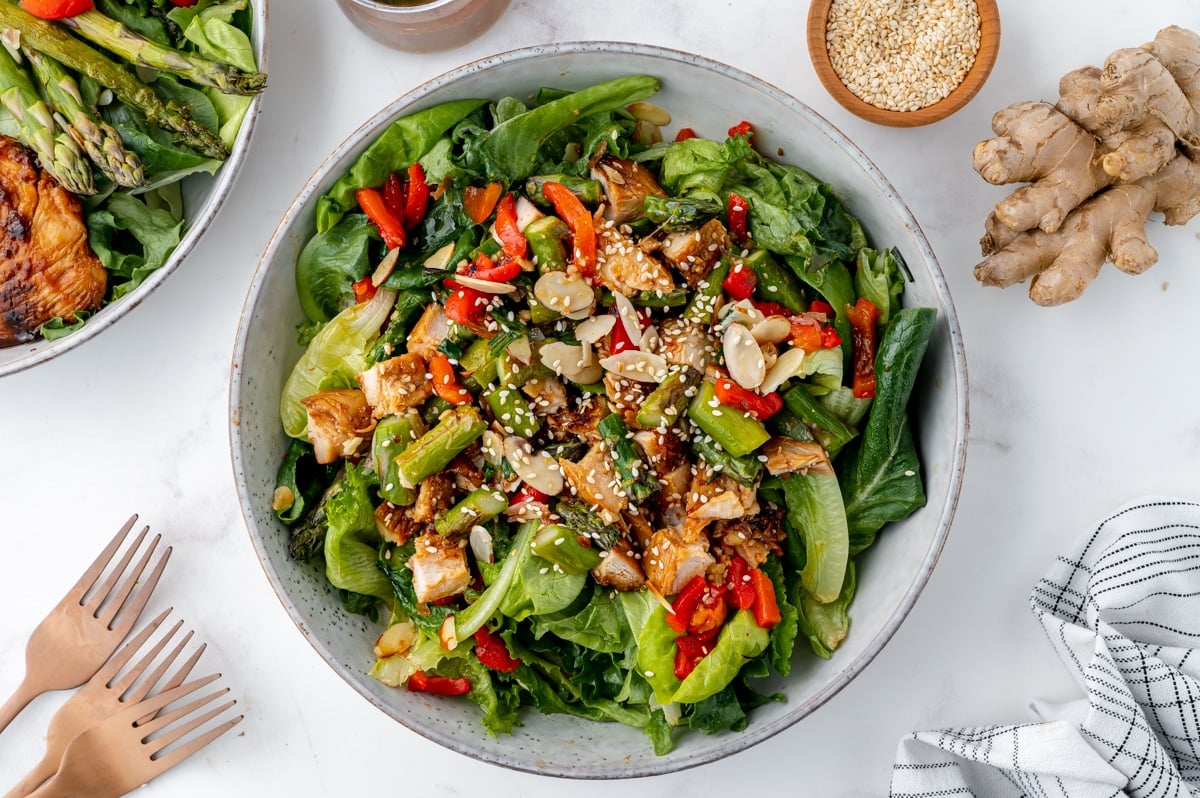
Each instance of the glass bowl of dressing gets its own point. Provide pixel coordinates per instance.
(423, 25)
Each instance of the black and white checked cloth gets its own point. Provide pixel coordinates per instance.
(1123, 611)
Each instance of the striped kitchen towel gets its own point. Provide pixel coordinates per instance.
(1122, 609)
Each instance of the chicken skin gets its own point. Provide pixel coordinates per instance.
(47, 269)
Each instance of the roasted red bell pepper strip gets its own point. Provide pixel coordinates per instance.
(393, 196)
(466, 306)
(739, 212)
(685, 604)
(484, 268)
(56, 9)
(738, 590)
(689, 650)
(583, 229)
(364, 289)
(863, 315)
(416, 197)
(761, 406)
(742, 128)
(480, 202)
(821, 306)
(740, 282)
(445, 382)
(770, 308)
(491, 651)
(684, 134)
(619, 340)
(391, 228)
(437, 685)
(830, 338)
(766, 608)
(185, 3)
(528, 493)
(511, 239)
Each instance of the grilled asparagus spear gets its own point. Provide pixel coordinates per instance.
(115, 37)
(54, 41)
(99, 140)
(58, 152)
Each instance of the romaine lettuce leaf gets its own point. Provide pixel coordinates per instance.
(826, 625)
(351, 540)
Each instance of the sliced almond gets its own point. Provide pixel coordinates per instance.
(385, 267)
(480, 541)
(743, 358)
(629, 316)
(585, 354)
(565, 293)
(567, 361)
(538, 469)
(492, 447)
(595, 328)
(650, 342)
(772, 330)
(484, 286)
(396, 639)
(447, 634)
(520, 350)
(635, 364)
(787, 365)
(649, 112)
(740, 312)
(440, 260)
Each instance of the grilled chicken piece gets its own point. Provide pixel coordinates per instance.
(694, 253)
(786, 455)
(547, 395)
(626, 186)
(668, 457)
(394, 385)
(337, 423)
(435, 495)
(595, 482)
(619, 569)
(753, 542)
(719, 498)
(622, 266)
(464, 469)
(394, 524)
(625, 396)
(578, 422)
(47, 269)
(428, 333)
(439, 567)
(684, 342)
(674, 557)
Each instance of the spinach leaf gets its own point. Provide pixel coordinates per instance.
(303, 478)
(330, 264)
(881, 481)
(600, 625)
(403, 142)
(512, 146)
(719, 712)
(826, 625)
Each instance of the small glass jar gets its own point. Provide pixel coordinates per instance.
(424, 25)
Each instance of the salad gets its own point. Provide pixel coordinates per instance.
(118, 101)
(590, 421)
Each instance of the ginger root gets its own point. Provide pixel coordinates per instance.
(1121, 142)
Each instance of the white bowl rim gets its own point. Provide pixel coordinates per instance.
(225, 178)
(756, 733)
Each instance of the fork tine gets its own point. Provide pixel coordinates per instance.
(92, 574)
(159, 700)
(117, 596)
(172, 735)
(121, 687)
(132, 609)
(111, 668)
(181, 753)
(179, 675)
(99, 594)
(166, 719)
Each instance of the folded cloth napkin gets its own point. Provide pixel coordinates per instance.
(1122, 609)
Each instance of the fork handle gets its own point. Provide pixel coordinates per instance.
(34, 778)
(25, 692)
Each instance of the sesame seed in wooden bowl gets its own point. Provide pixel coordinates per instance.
(903, 63)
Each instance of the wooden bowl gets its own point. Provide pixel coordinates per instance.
(989, 46)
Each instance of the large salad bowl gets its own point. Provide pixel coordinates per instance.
(203, 196)
(704, 95)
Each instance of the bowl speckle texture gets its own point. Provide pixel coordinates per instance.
(893, 572)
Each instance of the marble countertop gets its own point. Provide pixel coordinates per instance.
(1074, 410)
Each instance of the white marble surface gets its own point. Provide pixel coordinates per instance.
(1074, 410)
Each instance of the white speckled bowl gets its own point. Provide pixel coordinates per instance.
(203, 196)
(893, 571)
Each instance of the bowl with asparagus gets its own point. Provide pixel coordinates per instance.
(129, 123)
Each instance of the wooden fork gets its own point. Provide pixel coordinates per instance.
(85, 628)
(128, 749)
(105, 694)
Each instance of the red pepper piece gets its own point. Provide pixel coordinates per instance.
(742, 128)
(393, 196)
(466, 306)
(766, 608)
(710, 611)
(806, 333)
(830, 338)
(528, 493)
(416, 197)
(685, 604)
(512, 239)
(863, 315)
(364, 289)
(762, 407)
(821, 306)
(689, 650)
(738, 590)
(437, 685)
(484, 268)
(739, 211)
(577, 217)
(185, 3)
(740, 282)
(373, 205)
(478, 203)
(445, 383)
(771, 308)
(56, 9)
(491, 651)
(619, 340)
(684, 134)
